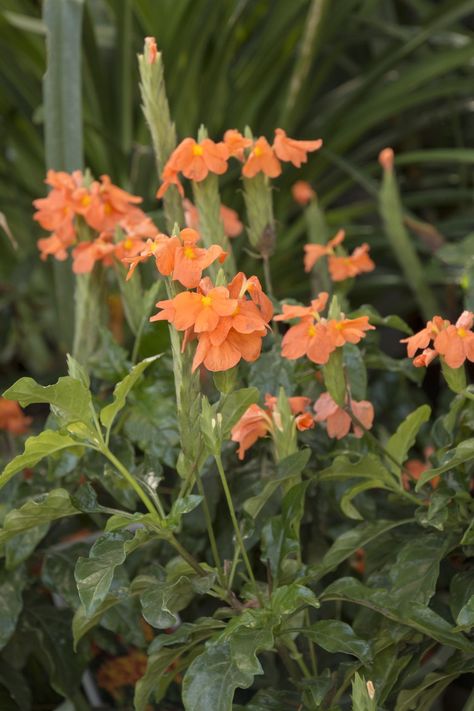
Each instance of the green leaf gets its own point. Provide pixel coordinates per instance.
(11, 602)
(159, 673)
(348, 507)
(82, 621)
(94, 574)
(334, 378)
(350, 541)
(338, 637)
(164, 599)
(77, 371)
(376, 319)
(36, 448)
(464, 452)
(461, 598)
(404, 438)
(70, 401)
(363, 695)
(212, 678)
(288, 468)
(368, 467)
(182, 505)
(121, 390)
(424, 694)
(455, 377)
(356, 371)
(22, 546)
(415, 615)
(40, 510)
(233, 406)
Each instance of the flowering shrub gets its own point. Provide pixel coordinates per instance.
(321, 562)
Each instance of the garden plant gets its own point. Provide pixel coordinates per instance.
(249, 485)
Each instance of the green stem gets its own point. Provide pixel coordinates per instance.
(210, 529)
(133, 483)
(298, 657)
(235, 523)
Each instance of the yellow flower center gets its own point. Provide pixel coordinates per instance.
(339, 325)
(197, 150)
(107, 208)
(236, 311)
(128, 244)
(257, 151)
(462, 333)
(206, 301)
(86, 200)
(311, 331)
(189, 253)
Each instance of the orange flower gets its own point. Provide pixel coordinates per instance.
(202, 312)
(12, 418)
(416, 467)
(236, 143)
(456, 342)
(190, 260)
(318, 337)
(341, 268)
(292, 151)
(105, 204)
(227, 353)
(55, 246)
(230, 219)
(338, 421)
(128, 248)
(422, 339)
(169, 177)
(115, 673)
(302, 192)
(424, 359)
(386, 157)
(196, 160)
(55, 212)
(254, 424)
(86, 254)
(257, 422)
(241, 285)
(314, 252)
(262, 159)
(359, 561)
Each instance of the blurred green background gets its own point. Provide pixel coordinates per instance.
(361, 74)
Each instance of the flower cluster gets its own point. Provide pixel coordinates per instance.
(178, 257)
(258, 422)
(453, 342)
(229, 322)
(12, 418)
(317, 337)
(195, 160)
(102, 207)
(342, 266)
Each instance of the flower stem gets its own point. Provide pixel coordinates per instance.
(235, 523)
(210, 530)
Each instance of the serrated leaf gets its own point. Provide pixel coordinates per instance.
(69, 399)
(36, 448)
(338, 637)
(404, 438)
(121, 390)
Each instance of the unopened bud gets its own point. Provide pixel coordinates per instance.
(151, 50)
(386, 158)
(370, 690)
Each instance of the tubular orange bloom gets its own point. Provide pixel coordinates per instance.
(55, 212)
(291, 150)
(421, 340)
(201, 311)
(314, 252)
(230, 219)
(169, 177)
(254, 424)
(228, 352)
(190, 260)
(12, 418)
(317, 337)
(236, 143)
(241, 285)
(106, 204)
(456, 342)
(424, 359)
(302, 192)
(338, 421)
(55, 246)
(86, 254)
(196, 160)
(262, 159)
(348, 330)
(128, 248)
(161, 248)
(257, 422)
(341, 268)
